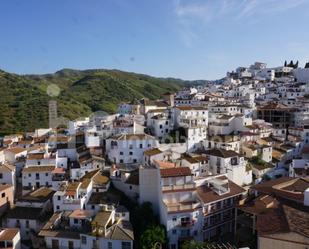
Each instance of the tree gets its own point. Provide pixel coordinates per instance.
(192, 244)
(153, 235)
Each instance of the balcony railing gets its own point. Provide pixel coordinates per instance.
(187, 224)
(178, 187)
(181, 207)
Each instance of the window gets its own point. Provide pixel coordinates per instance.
(125, 245)
(1, 175)
(130, 153)
(29, 175)
(141, 146)
(84, 239)
(37, 176)
(174, 218)
(134, 161)
(27, 223)
(109, 245)
(46, 174)
(3, 195)
(121, 160)
(121, 153)
(174, 231)
(130, 187)
(75, 221)
(58, 197)
(57, 207)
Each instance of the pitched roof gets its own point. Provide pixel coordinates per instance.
(282, 220)
(101, 218)
(5, 186)
(6, 168)
(152, 152)
(274, 106)
(222, 153)
(16, 150)
(285, 187)
(39, 195)
(121, 231)
(32, 169)
(29, 213)
(175, 172)
(8, 234)
(133, 137)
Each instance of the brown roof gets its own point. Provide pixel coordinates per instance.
(16, 150)
(187, 108)
(207, 195)
(72, 186)
(282, 220)
(32, 169)
(39, 195)
(39, 155)
(5, 186)
(28, 213)
(195, 159)
(85, 183)
(8, 234)
(175, 172)
(100, 179)
(285, 187)
(5, 168)
(101, 218)
(222, 153)
(133, 137)
(274, 106)
(152, 152)
(121, 231)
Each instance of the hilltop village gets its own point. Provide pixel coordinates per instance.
(223, 164)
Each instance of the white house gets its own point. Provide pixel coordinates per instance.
(129, 148)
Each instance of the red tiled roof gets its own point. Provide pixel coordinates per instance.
(175, 172)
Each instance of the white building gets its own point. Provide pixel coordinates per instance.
(129, 148)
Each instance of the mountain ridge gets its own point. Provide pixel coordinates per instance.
(24, 99)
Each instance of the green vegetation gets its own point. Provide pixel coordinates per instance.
(258, 163)
(147, 229)
(24, 100)
(153, 236)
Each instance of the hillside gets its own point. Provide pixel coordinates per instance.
(24, 98)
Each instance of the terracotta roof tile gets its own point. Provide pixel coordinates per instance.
(175, 172)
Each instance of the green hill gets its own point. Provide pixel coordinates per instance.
(24, 98)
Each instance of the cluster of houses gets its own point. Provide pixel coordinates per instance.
(226, 163)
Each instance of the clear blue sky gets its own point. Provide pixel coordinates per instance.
(190, 39)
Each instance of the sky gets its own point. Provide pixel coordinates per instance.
(188, 39)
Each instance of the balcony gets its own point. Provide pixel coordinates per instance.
(178, 187)
(181, 206)
(58, 178)
(71, 201)
(186, 224)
